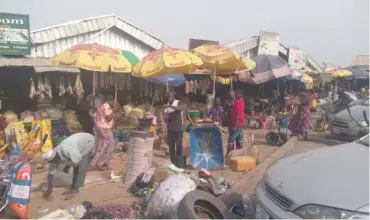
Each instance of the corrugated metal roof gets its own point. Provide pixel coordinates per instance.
(40, 64)
(361, 60)
(94, 25)
(112, 37)
(26, 61)
(43, 69)
(240, 46)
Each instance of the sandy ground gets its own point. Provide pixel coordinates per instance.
(99, 190)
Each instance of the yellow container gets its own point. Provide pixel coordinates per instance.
(242, 163)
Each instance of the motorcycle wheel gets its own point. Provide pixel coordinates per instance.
(273, 138)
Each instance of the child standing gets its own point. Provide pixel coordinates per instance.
(217, 111)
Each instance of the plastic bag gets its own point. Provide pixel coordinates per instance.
(168, 196)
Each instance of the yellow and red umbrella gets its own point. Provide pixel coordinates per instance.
(222, 59)
(166, 60)
(93, 57)
(337, 73)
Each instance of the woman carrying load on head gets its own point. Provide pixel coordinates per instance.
(104, 122)
(300, 122)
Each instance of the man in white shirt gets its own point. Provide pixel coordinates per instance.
(76, 151)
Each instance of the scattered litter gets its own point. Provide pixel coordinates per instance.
(175, 169)
(114, 175)
(43, 210)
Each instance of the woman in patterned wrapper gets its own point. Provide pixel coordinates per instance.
(300, 122)
(104, 122)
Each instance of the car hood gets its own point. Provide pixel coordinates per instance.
(356, 112)
(335, 176)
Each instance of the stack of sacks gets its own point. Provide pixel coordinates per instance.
(54, 113)
(10, 116)
(27, 116)
(72, 122)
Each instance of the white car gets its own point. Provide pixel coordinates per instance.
(327, 183)
(343, 124)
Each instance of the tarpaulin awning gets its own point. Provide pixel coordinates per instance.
(40, 64)
(268, 67)
(357, 72)
(172, 79)
(24, 61)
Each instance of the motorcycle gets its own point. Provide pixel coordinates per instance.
(15, 181)
(279, 137)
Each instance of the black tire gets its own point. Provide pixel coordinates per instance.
(273, 138)
(199, 199)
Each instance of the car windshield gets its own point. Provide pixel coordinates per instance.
(364, 141)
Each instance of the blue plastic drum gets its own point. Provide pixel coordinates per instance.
(206, 150)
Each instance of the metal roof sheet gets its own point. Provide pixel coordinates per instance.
(361, 60)
(94, 24)
(24, 61)
(40, 64)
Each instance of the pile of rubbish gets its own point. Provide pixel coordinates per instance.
(86, 210)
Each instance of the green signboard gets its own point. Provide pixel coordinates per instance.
(14, 34)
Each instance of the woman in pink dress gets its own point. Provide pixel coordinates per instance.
(104, 121)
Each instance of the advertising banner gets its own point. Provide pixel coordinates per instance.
(295, 58)
(269, 43)
(14, 34)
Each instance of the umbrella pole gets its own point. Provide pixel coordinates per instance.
(155, 92)
(94, 83)
(167, 82)
(116, 88)
(214, 84)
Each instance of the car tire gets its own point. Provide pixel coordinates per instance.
(204, 200)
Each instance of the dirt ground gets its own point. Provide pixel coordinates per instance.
(100, 190)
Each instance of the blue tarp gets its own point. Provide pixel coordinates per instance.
(295, 76)
(174, 79)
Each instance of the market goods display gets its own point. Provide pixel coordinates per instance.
(198, 86)
(72, 122)
(17, 128)
(27, 116)
(10, 116)
(127, 109)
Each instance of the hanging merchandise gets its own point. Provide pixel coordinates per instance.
(111, 80)
(78, 88)
(101, 81)
(121, 82)
(191, 84)
(47, 87)
(128, 82)
(32, 89)
(187, 87)
(40, 88)
(106, 81)
(195, 89)
(69, 87)
(62, 88)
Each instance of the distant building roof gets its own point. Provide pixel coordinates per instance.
(361, 60)
(95, 24)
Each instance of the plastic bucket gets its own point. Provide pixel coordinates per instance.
(264, 125)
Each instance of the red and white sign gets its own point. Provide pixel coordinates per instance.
(295, 58)
(269, 43)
